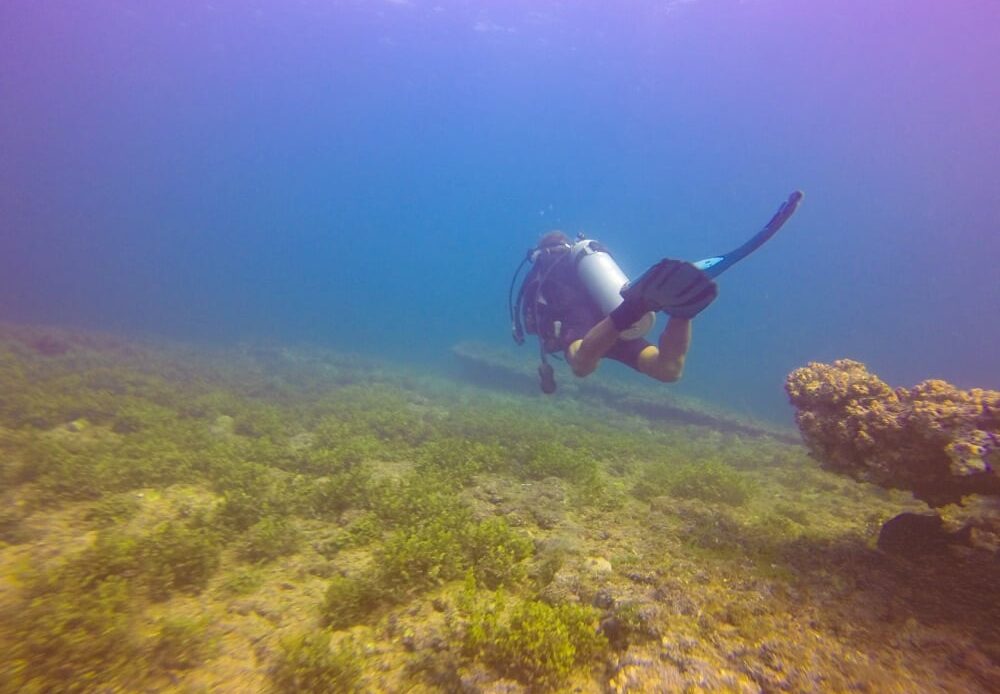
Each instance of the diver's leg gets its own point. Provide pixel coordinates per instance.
(665, 362)
(584, 355)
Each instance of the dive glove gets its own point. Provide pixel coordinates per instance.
(672, 286)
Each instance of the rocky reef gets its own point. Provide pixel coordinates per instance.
(270, 518)
(935, 440)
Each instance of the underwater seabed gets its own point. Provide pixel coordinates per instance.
(288, 519)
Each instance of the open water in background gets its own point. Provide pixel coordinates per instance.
(367, 174)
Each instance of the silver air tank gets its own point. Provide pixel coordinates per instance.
(604, 280)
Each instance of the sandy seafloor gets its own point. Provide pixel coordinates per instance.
(285, 518)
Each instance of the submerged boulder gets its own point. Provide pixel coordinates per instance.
(919, 534)
(935, 440)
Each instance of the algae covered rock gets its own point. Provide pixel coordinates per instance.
(935, 440)
(638, 672)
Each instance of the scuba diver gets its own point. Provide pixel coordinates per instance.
(577, 301)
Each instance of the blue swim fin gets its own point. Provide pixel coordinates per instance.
(718, 264)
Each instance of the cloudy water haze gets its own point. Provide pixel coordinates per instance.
(368, 174)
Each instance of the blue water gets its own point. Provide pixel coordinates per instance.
(368, 174)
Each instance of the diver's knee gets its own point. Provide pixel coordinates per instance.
(578, 366)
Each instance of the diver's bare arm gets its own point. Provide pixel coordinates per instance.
(584, 355)
(666, 361)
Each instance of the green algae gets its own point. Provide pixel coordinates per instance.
(183, 517)
(308, 663)
(182, 643)
(707, 480)
(72, 636)
(531, 641)
(239, 582)
(269, 538)
(350, 599)
(176, 557)
(114, 509)
(426, 554)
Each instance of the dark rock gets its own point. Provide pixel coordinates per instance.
(615, 631)
(250, 606)
(918, 534)
(646, 578)
(603, 599)
(546, 518)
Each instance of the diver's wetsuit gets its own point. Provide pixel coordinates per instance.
(570, 303)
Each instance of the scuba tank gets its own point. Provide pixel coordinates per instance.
(600, 276)
(604, 281)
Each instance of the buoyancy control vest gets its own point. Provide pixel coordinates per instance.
(562, 275)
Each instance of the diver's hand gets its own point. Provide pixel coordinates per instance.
(675, 287)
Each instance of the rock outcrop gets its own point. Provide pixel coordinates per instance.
(935, 440)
